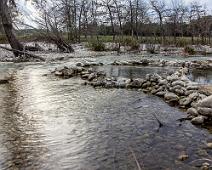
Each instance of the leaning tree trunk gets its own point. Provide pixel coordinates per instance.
(8, 27)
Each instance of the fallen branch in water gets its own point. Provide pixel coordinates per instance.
(23, 53)
(136, 160)
(159, 122)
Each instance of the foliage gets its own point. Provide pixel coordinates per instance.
(132, 42)
(189, 50)
(96, 45)
(182, 42)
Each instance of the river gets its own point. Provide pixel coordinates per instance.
(50, 123)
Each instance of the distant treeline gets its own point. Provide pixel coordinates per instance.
(153, 21)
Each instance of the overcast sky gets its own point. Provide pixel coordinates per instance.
(28, 7)
(29, 12)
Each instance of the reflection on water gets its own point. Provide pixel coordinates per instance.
(133, 71)
(201, 76)
(47, 123)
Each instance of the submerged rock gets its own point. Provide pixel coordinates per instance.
(183, 156)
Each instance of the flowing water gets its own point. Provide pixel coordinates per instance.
(133, 71)
(201, 76)
(49, 123)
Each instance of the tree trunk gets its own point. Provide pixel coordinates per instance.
(136, 19)
(111, 21)
(131, 19)
(8, 27)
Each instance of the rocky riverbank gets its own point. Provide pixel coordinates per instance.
(175, 88)
(148, 62)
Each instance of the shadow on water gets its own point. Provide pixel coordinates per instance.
(49, 123)
(199, 76)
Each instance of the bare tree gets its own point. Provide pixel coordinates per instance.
(52, 22)
(5, 14)
(159, 7)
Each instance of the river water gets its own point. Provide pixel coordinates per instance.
(50, 123)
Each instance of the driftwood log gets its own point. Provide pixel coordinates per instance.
(23, 53)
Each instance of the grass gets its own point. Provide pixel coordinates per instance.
(3, 39)
(124, 40)
(180, 41)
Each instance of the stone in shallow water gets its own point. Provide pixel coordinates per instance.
(163, 82)
(192, 87)
(58, 73)
(171, 97)
(209, 145)
(91, 76)
(205, 111)
(178, 82)
(198, 120)
(185, 101)
(183, 156)
(192, 111)
(161, 93)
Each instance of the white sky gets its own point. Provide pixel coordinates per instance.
(207, 3)
(29, 12)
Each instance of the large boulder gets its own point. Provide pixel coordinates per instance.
(205, 111)
(206, 102)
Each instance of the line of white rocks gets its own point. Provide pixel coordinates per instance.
(175, 88)
(207, 64)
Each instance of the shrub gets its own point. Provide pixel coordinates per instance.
(96, 45)
(151, 48)
(132, 42)
(182, 42)
(189, 50)
(135, 45)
